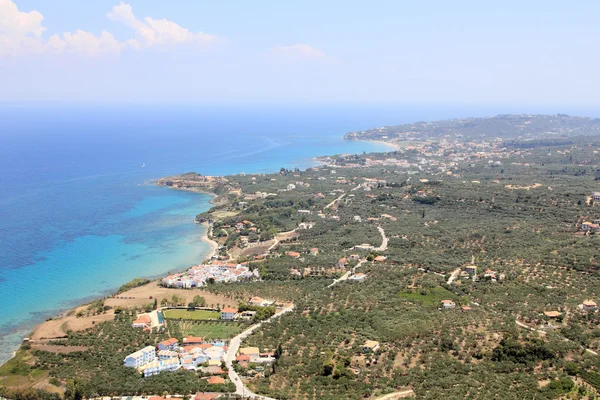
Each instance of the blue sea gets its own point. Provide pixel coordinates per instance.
(78, 216)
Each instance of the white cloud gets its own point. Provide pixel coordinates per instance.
(22, 32)
(157, 32)
(19, 29)
(123, 13)
(299, 53)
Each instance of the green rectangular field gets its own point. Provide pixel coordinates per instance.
(214, 330)
(189, 314)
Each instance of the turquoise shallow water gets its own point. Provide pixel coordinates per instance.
(77, 217)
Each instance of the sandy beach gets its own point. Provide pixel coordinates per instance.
(136, 297)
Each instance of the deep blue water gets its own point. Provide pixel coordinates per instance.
(77, 219)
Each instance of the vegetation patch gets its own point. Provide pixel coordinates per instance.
(191, 314)
(432, 296)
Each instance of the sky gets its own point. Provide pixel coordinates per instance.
(471, 52)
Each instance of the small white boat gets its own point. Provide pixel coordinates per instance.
(143, 165)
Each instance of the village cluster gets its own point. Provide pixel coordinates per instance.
(201, 275)
(194, 354)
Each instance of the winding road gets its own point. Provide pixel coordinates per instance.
(232, 350)
(384, 241)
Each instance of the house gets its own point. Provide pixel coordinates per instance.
(216, 380)
(248, 314)
(590, 226)
(448, 304)
(371, 345)
(252, 352)
(552, 314)
(314, 251)
(242, 357)
(465, 308)
(343, 262)
(489, 274)
(354, 257)
(293, 254)
(169, 344)
(358, 277)
(291, 186)
(143, 321)
(589, 305)
(471, 269)
(357, 218)
(228, 313)
(190, 340)
(596, 196)
(380, 259)
(140, 357)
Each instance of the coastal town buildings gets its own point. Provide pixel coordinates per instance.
(143, 321)
(252, 353)
(140, 357)
(200, 275)
(195, 353)
(169, 344)
(147, 321)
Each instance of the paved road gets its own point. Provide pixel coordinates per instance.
(333, 202)
(234, 345)
(341, 278)
(347, 274)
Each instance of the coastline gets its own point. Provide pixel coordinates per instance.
(26, 330)
(110, 292)
(214, 246)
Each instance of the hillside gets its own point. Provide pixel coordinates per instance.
(524, 126)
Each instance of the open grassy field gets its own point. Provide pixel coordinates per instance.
(188, 314)
(210, 330)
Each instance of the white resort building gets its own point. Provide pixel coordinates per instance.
(140, 357)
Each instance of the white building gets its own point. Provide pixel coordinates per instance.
(448, 304)
(156, 367)
(358, 277)
(228, 313)
(140, 357)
